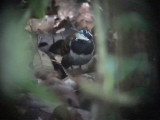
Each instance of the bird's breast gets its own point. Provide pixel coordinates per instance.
(80, 59)
(82, 47)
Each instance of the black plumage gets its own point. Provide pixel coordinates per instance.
(76, 49)
(82, 47)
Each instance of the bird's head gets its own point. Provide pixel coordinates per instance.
(84, 35)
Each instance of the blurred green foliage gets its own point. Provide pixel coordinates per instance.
(17, 56)
(111, 68)
(126, 66)
(130, 21)
(38, 7)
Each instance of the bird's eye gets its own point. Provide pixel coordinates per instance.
(81, 31)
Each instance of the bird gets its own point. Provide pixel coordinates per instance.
(77, 49)
(80, 49)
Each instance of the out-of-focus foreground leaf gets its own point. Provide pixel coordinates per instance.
(113, 97)
(113, 69)
(129, 65)
(120, 67)
(17, 55)
(38, 7)
(129, 21)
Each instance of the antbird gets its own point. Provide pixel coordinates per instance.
(77, 49)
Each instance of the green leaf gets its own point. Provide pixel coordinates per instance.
(38, 7)
(16, 56)
(130, 21)
(112, 97)
(129, 65)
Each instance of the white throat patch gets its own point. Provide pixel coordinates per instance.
(81, 36)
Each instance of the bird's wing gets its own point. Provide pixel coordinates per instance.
(65, 48)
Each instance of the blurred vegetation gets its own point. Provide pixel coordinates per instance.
(38, 7)
(18, 53)
(112, 69)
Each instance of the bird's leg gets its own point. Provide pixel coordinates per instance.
(71, 67)
(80, 67)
